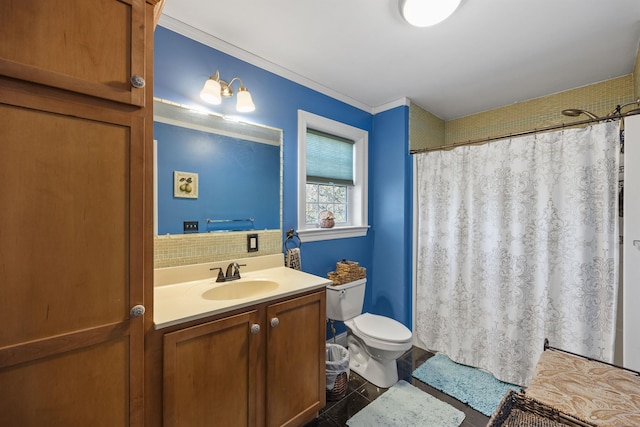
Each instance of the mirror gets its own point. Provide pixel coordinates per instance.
(214, 174)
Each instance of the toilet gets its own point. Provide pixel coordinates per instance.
(375, 342)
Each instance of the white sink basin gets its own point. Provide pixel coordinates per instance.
(239, 290)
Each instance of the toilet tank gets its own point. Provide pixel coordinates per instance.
(345, 301)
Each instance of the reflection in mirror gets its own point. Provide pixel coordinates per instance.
(213, 174)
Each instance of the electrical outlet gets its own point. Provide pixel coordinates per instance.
(191, 226)
(252, 243)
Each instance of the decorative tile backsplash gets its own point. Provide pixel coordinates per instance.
(184, 249)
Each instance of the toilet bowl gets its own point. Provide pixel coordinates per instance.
(375, 342)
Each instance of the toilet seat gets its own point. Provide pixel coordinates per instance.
(382, 328)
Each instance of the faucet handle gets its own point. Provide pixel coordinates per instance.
(220, 277)
(236, 269)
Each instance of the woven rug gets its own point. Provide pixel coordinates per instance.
(477, 388)
(405, 405)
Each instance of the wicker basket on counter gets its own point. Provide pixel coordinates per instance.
(347, 271)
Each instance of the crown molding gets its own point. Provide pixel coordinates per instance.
(221, 45)
(402, 102)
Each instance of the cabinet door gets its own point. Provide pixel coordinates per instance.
(295, 363)
(91, 47)
(71, 247)
(210, 373)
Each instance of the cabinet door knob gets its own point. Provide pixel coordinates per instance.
(137, 311)
(275, 322)
(255, 328)
(137, 82)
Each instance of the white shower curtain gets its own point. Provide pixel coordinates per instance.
(517, 242)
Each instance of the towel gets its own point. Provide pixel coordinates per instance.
(292, 259)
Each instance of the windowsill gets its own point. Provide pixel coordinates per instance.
(316, 234)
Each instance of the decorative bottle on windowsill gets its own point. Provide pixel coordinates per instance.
(326, 219)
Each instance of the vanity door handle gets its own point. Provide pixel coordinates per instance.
(255, 328)
(275, 322)
(137, 310)
(137, 81)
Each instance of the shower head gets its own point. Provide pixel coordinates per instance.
(575, 112)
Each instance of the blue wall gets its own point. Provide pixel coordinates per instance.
(392, 205)
(181, 68)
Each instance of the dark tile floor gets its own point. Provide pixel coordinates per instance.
(360, 393)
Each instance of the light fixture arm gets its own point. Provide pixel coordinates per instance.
(241, 87)
(226, 89)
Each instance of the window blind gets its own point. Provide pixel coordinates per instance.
(329, 158)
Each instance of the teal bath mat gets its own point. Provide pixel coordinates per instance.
(404, 405)
(479, 389)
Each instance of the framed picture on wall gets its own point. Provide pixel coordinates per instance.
(185, 184)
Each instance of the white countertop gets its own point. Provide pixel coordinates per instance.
(181, 302)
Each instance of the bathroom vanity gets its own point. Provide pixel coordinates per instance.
(255, 359)
(246, 352)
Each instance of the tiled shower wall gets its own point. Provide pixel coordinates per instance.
(599, 99)
(425, 130)
(185, 249)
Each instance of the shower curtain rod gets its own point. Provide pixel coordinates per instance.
(526, 132)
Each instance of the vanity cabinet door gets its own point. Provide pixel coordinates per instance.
(90, 47)
(295, 361)
(71, 255)
(210, 373)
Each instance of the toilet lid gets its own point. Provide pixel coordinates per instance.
(382, 328)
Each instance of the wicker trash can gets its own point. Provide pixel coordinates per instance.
(337, 371)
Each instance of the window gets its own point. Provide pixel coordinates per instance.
(326, 197)
(332, 176)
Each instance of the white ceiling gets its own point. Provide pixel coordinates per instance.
(488, 54)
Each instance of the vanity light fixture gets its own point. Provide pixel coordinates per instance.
(424, 13)
(214, 89)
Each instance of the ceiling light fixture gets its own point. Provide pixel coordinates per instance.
(214, 89)
(424, 13)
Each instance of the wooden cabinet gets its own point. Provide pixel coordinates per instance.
(71, 264)
(295, 360)
(90, 47)
(210, 373)
(264, 366)
(76, 234)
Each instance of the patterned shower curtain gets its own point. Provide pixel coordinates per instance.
(518, 242)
